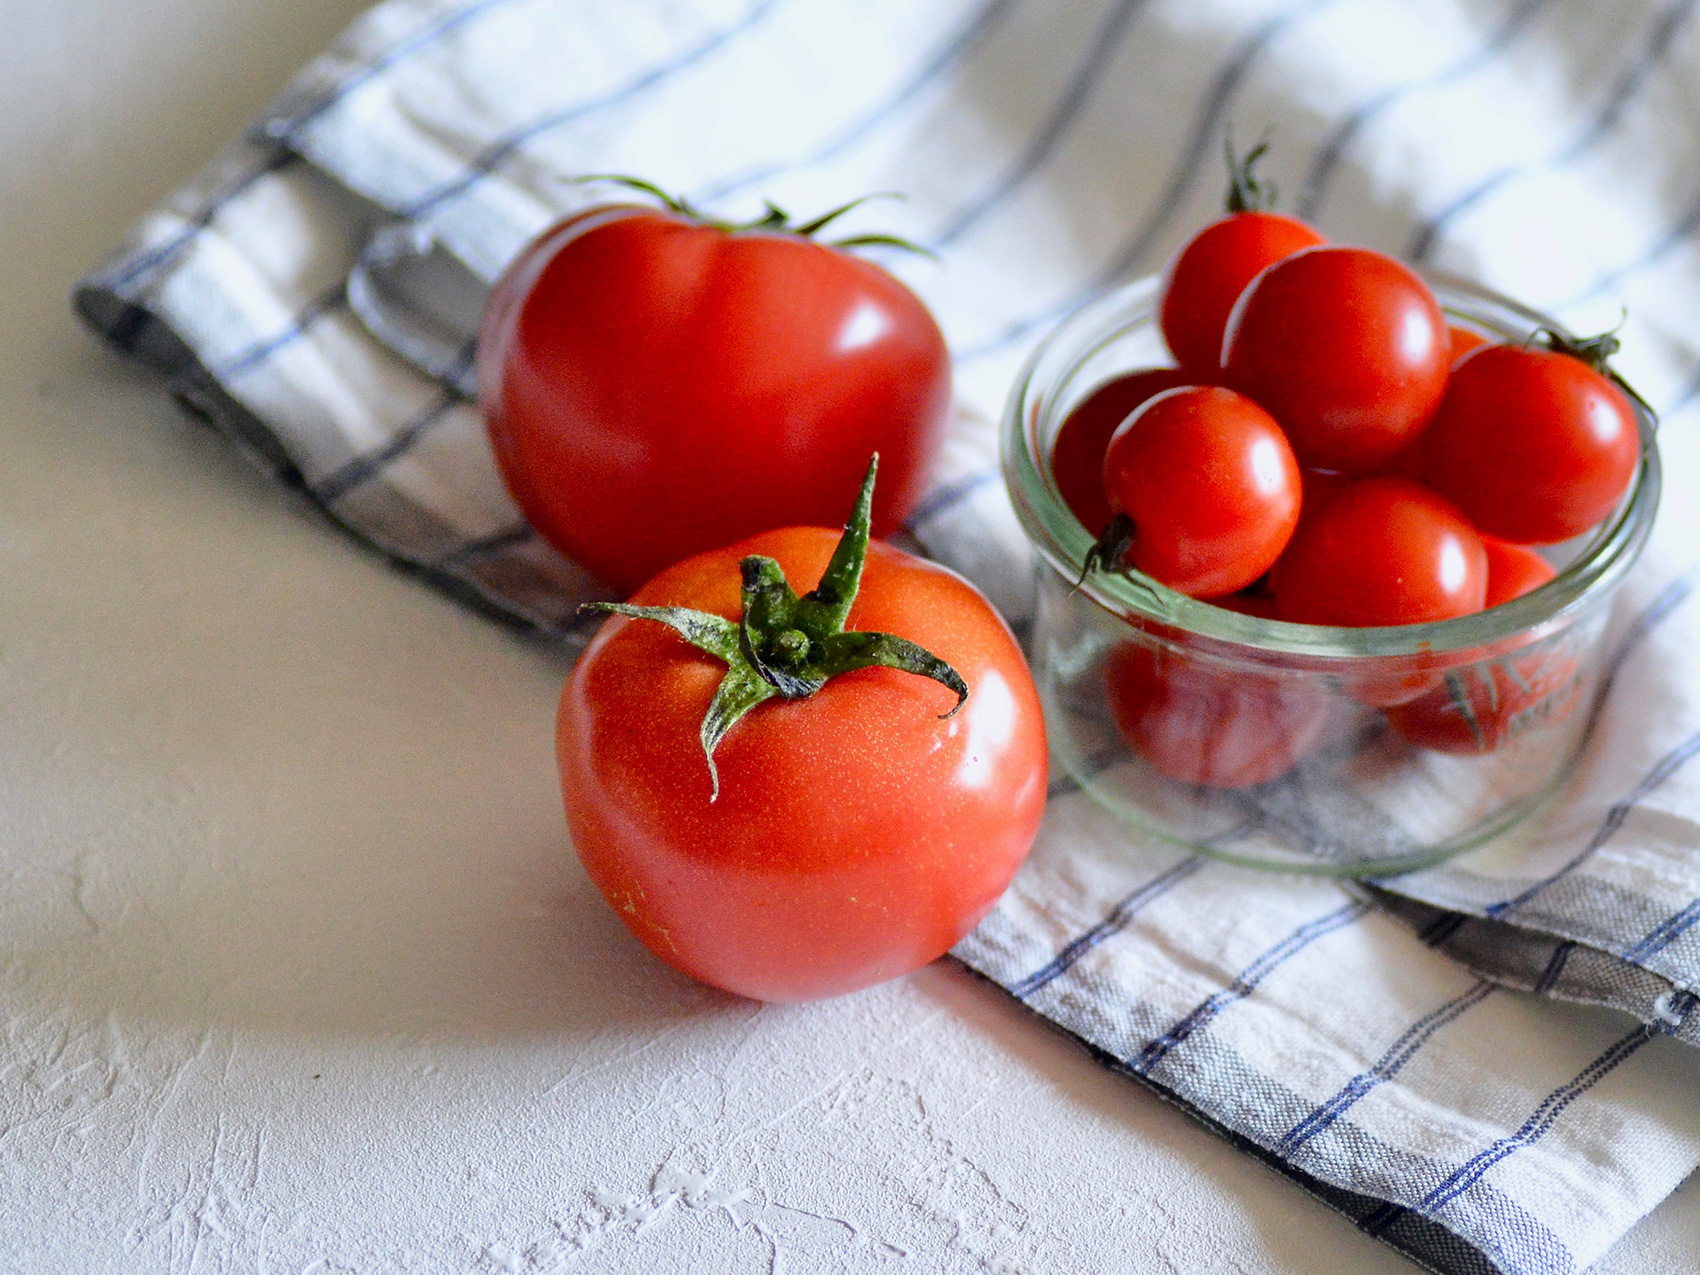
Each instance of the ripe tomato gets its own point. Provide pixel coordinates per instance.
(1200, 722)
(1208, 275)
(1382, 551)
(1513, 571)
(1481, 707)
(655, 386)
(1347, 348)
(1205, 488)
(1077, 455)
(855, 835)
(1460, 341)
(1534, 445)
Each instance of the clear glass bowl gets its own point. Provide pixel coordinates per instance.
(1342, 751)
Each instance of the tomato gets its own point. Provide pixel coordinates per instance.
(1534, 445)
(1481, 707)
(1077, 455)
(1205, 489)
(1460, 341)
(1513, 571)
(1207, 276)
(855, 834)
(1347, 348)
(1382, 551)
(1201, 722)
(655, 386)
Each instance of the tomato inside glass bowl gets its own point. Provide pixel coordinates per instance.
(1308, 748)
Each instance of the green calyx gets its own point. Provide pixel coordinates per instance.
(1246, 191)
(774, 219)
(788, 645)
(1596, 352)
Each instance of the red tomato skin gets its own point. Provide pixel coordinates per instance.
(1480, 708)
(1513, 571)
(1382, 551)
(1211, 485)
(1207, 276)
(1461, 341)
(856, 835)
(1535, 447)
(1347, 348)
(1077, 455)
(654, 387)
(1199, 722)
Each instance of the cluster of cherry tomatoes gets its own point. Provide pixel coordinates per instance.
(1328, 450)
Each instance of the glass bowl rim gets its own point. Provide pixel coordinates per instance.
(1060, 539)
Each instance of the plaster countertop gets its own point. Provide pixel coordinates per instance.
(300, 973)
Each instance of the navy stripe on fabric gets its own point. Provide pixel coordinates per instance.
(510, 537)
(489, 159)
(1244, 984)
(1400, 1052)
(362, 469)
(1555, 967)
(1667, 766)
(1684, 226)
(332, 299)
(1539, 1123)
(942, 498)
(955, 49)
(1624, 91)
(1669, 931)
(1119, 916)
(285, 130)
(1106, 41)
(1327, 160)
(1201, 142)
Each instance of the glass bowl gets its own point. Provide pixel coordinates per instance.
(1341, 751)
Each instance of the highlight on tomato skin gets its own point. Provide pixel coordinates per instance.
(858, 833)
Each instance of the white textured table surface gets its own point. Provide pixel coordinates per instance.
(299, 972)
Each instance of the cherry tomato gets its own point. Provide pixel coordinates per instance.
(1513, 571)
(1382, 551)
(1208, 487)
(1207, 276)
(1347, 348)
(855, 835)
(1200, 722)
(1077, 456)
(655, 386)
(1481, 707)
(1460, 341)
(1533, 445)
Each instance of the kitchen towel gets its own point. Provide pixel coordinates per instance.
(314, 294)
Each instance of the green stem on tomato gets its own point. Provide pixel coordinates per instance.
(788, 645)
(1247, 192)
(1596, 352)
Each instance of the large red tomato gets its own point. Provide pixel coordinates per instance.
(656, 386)
(856, 835)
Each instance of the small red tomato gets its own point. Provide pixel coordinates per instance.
(655, 386)
(1534, 445)
(1383, 551)
(855, 835)
(1207, 276)
(1347, 348)
(1206, 488)
(1461, 341)
(1201, 723)
(1513, 571)
(1481, 707)
(1077, 456)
